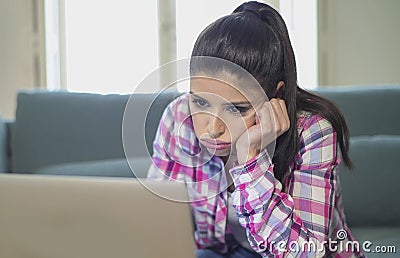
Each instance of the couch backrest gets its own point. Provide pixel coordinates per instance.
(369, 110)
(60, 127)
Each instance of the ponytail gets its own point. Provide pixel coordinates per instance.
(255, 37)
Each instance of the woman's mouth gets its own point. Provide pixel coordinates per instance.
(215, 144)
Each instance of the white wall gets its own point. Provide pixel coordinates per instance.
(359, 42)
(19, 44)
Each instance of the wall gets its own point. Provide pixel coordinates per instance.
(21, 50)
(358, 42)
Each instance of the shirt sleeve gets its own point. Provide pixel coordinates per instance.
(284, 225)
(163, 166)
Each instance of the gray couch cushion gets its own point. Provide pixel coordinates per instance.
(368, 110)
(370, 192)
(145, 111)
(60, 127)
(103, 168)
(3, 146)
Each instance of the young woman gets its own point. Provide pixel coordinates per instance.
(246, 200)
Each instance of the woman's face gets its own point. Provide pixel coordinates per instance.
(220, 114)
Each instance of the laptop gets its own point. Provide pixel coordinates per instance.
(69, 216)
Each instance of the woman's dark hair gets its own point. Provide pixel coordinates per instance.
(255, 37)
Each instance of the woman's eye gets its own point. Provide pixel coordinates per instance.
(237, 110)
(200, 103)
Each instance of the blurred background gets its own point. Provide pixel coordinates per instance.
(110, 46)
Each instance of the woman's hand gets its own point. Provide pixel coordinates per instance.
(272, 120)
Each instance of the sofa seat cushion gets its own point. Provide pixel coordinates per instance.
(378, 236)
(102, 168)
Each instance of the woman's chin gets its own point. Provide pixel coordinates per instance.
(220, 153)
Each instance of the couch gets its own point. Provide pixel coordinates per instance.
(62, 133)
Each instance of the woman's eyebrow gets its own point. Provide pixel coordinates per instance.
(194, 94)
(238, 103)
(228, 103)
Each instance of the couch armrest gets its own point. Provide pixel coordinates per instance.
(9, 126)
(4, 145)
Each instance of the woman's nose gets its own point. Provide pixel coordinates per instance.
(215, 126)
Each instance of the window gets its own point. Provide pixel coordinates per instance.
(193, 16)
(110, 45)
(301, 19)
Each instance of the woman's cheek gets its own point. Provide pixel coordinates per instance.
(199, 125)
(247, 122)
(243, 126)
(239, 127)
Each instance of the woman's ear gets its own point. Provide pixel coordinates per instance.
(279, 88)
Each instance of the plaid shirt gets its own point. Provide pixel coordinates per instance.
(276, 221)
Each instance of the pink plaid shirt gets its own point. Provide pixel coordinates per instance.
(278, 223)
